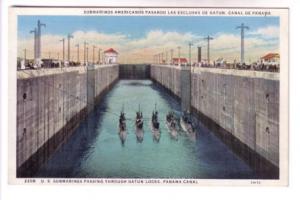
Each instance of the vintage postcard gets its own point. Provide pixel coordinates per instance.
(165, 96)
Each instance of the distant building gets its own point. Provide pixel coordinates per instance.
(183, 61)
(110, 56)
(270, 59)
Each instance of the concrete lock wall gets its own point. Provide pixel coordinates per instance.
(244, 103)
(168, 77)
(50, 105)
(185, 87)
(134, 71)
(105, 76)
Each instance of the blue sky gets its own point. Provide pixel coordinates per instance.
(138, 26)
(138, 38)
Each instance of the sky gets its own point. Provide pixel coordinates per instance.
(138, 38)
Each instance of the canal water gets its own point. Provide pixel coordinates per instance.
(95, 149)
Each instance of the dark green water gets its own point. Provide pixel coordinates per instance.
(95, 150)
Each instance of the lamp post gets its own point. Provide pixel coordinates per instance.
(84, 52)
(49, 62)
(69, 37)
(103, 58)
(208, 38)
(35, 43)
(99, 56)
(166, 58)
(87, 55)
(63, 42)
(242, 27)
(25, 57)
(39, 34)
(171, 54)
(179, 60)
(159, 58)
(190, 53)
(94, 47)
(77, 45)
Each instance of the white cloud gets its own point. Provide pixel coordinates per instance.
(159, 38)
(267, 32)
(94, 37)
